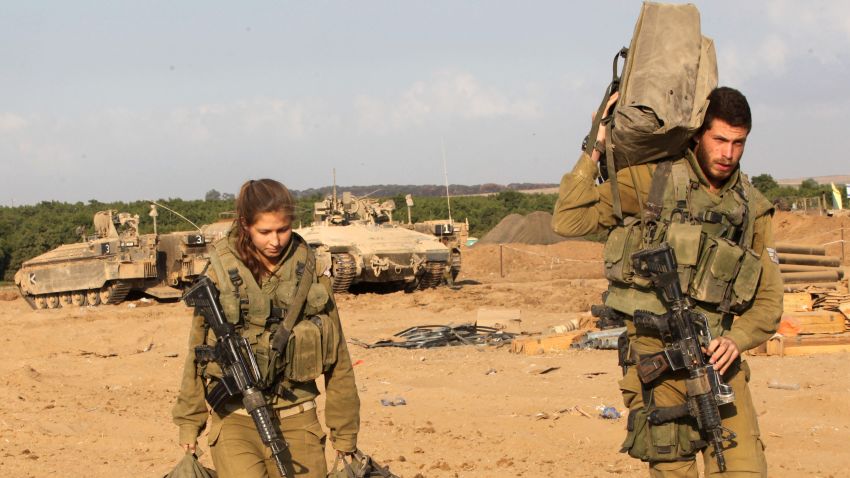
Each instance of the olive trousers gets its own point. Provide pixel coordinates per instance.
(238, 452)
(744, 456)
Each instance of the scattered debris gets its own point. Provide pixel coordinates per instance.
(505, 320)
(609, 413)
(775, 383)
(534, 370)
(542, 344)
(396, 402)
(426, 336)
(96, 354)
(171, 355)
(541, 416)
(491, 371)
(602, 340)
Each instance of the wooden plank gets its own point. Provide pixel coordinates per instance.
(804, 345)
(814, 322)
(547, 343)
(814, 317)
(797, 302)
(816, 349)
(813, 285)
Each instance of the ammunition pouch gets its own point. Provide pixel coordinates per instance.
(746, 282)
(311, 349)
(621, 243)
(676, 440)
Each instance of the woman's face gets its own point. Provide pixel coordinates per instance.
(271, 233)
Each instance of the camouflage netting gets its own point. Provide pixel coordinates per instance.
(535, 228)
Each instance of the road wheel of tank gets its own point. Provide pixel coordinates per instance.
(343, 269)
(64, 299)
(105, 293)
(52, 301)
(78, 299)
(93, 297)
(40, 302)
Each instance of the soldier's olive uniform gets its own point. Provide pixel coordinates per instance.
(315, 348)
(724, 247)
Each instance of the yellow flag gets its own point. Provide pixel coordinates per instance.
(836, 197)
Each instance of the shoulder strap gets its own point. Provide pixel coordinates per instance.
(655, 202)
(281, 336)
(600, 122)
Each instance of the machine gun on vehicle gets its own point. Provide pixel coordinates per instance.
(685, 333)
(241, 375)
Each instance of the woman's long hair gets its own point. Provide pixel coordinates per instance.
(257, 197)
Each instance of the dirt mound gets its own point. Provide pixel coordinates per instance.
(534, 228)
(798, 228)
(8, 294)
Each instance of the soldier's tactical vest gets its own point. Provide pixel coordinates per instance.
(258, 313)
(711, 235)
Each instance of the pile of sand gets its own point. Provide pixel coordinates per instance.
(535, 228)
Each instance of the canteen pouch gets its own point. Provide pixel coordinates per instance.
(304, 351)
(717, 266)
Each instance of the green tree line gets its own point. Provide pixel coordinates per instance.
(783, 196)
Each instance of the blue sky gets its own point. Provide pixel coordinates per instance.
(131, 100)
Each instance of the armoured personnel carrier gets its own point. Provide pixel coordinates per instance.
(106, 266)
(357, 241)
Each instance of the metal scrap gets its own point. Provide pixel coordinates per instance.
(427, 336)
(603, 340)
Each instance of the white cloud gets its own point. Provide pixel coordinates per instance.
(446, 96)
(774, 51)
(11, 122)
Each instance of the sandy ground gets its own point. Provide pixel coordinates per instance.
(88, 392)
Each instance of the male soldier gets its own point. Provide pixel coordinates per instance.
(714, 219)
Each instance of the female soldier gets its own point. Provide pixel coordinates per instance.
(257, 268)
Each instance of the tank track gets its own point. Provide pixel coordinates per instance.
(343, 269)
(433, 275)
(117, 293)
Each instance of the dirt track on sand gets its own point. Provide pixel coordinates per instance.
(88, 392)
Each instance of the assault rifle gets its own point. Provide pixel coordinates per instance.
(685, 333)
(241, 375)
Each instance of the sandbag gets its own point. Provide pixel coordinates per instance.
(669, 72)
(670, 68)
(359, 465)
(189, 467)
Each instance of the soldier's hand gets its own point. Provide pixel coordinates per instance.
(187, 447)
(723, 352)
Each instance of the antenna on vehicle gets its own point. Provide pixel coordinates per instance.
(446, 176)
(175, 213)
(334, 206)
